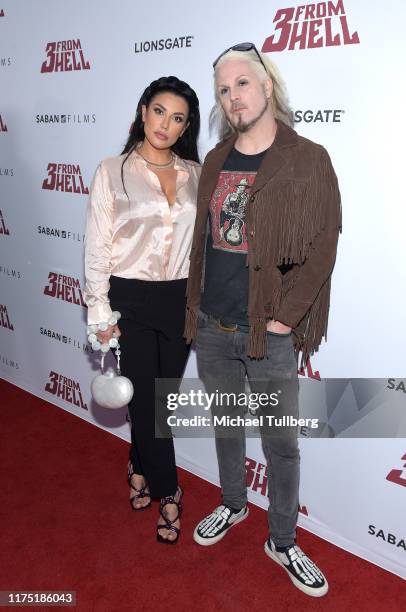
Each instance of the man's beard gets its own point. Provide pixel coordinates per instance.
(242, 126)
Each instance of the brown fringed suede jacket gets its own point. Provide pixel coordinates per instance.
(293, 217)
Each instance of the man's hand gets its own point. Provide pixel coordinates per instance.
(277, 327)
(105, 336)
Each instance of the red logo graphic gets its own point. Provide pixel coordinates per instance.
(65, 177)
(4, 318)
(3, 127)
(64, 56)
(64, 288)
(398, 476)
(310, 26)
(65, 388)
(307, 370)
(2, 13)
(257, 480)
(3, 229)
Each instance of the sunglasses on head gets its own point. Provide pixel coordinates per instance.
(245, 46)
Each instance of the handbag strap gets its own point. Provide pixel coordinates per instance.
(103, 355)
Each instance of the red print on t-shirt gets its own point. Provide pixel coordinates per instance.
(228, 209)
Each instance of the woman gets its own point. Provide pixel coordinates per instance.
(139, 230)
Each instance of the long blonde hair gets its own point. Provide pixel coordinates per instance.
(280, 101)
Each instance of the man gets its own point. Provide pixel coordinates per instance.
(266, 294)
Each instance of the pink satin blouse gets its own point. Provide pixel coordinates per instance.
(143, 237)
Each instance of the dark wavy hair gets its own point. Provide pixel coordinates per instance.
(186, 146)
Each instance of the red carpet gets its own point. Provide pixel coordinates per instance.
(66, 524)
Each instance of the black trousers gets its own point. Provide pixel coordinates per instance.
(152, 346)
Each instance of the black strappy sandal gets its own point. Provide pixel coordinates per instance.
(139, 493)
(169, 524)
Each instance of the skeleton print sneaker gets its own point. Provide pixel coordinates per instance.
(216, 524)
(304, 574)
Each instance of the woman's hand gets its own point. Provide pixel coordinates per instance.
(105, 336)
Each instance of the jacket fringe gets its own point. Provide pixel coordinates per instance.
(308, 336)
(287, 232)
(190, 323)
(257, 344)
(315, 325)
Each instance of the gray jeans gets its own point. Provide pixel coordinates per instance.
(222, 365)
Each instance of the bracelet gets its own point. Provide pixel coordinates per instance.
(113, 343)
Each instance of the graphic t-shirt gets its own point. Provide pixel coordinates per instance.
(225, 294)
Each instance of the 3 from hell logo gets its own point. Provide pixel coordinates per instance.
(3, 229)
(65, 177)
(64, 288)
(3, 127)
(64, 56)
(257, 479)
(398, 476)
(4, 318)
(310, 26)
(65, 388)
(308, 370)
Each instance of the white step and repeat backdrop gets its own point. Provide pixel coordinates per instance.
(70, 78)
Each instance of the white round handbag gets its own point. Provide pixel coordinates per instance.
(109, 389)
